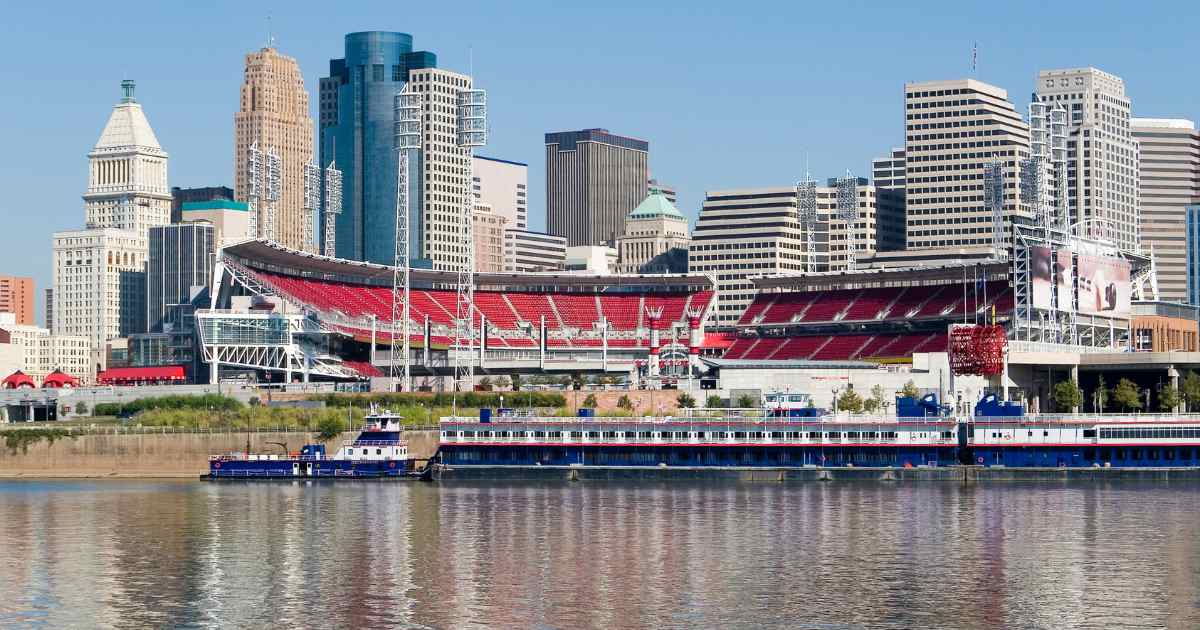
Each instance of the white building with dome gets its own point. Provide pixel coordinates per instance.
(655, 239)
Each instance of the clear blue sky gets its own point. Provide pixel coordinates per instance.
(729, 94)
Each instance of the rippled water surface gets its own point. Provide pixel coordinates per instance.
(832, 555)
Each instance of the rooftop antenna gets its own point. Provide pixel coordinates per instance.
(974, 58)
(270, 37)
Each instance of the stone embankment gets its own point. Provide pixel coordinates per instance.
(153, 453)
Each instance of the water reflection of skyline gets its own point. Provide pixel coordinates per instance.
(159, 554)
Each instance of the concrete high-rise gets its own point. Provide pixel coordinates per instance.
(100, 272)
(127, 179)
(356, 125)
(952, 129)
(1169, 169)
(504, 186)
(274, 116)
(888, 172)
(594, 179)
(1102, 155)
(16, 297)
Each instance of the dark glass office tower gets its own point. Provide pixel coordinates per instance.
(356, 116)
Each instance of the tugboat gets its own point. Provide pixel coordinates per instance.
(377, 452)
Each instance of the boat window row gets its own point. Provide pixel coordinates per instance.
(684, 435)
(1143, 433)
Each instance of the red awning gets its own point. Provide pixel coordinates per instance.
(18, 379)
(157, 374)
(58, 378)
(720, 341)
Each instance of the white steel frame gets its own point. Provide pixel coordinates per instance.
(407, 134)
(847, 210)
(472, 133)
(806, 209)
(333, 207)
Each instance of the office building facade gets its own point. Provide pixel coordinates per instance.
(274, 116)
(230, 219)
(1103, 184)
(1169, 169)
(533, 251)
(489, 239)
(504, 186)
(356, 125)
(39, 353)
(16, 297)
(594, 179)
(180, 196)
(888, 172)
(181, 261)
(952, 129)
(655, 239)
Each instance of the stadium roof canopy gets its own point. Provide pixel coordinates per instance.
(268, 256)
(774, 364)
(897, 276)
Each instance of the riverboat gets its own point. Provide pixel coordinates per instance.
(377, 451)
(922, 433)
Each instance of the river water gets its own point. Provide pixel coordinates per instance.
(630, 555)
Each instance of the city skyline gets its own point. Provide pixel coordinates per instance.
(192, 96)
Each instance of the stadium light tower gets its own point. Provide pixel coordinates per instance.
(254, 174)
(993, 199)
(472, 133)
(333, 207)
(407, 134)
(806, 208)
(847, 210)
(274, 184)
(312, 204)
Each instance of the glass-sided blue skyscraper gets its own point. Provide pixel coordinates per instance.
(356, 129)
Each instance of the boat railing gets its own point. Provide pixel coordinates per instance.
(1090, 418)
(352, 443)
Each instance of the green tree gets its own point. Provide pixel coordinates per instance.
(625, 403)
(502, 382)
(1168, 398)
(590, 401)
(330, 427)
(871, 405)
(1126, 395)
(850, 401)
(485, 384)
(713, 402)
(910, 390)
(1099, 395)
(877, 395)
(1191, 390)
(685, 401)
(576, 380)
(516, 382)
(745, 401)
(1067, 395)
(81, 408)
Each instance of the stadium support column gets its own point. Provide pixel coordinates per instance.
(652, 367)
(604, 344)
(542, 343)
(695, 340)
(373, 319)
(1172, 374)
(1075, 379)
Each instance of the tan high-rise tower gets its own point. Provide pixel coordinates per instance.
(274, 115)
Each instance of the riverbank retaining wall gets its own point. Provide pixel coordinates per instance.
(148, 454)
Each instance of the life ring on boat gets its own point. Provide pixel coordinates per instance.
(391, 464)
(216, 464)
(979, 459)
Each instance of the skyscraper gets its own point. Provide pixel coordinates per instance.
(180, 196)
(1103, 185)
(182, 256)
(594, 179)
(100, 272)
(356, 126)
(1169, 167)
(952, 129)
(503, 185)
(127, 180)
(274, 116)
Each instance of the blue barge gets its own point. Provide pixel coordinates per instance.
(377, 452)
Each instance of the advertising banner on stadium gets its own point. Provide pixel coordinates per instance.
(1042, 270)
(1064, 280)
(1104, 286)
